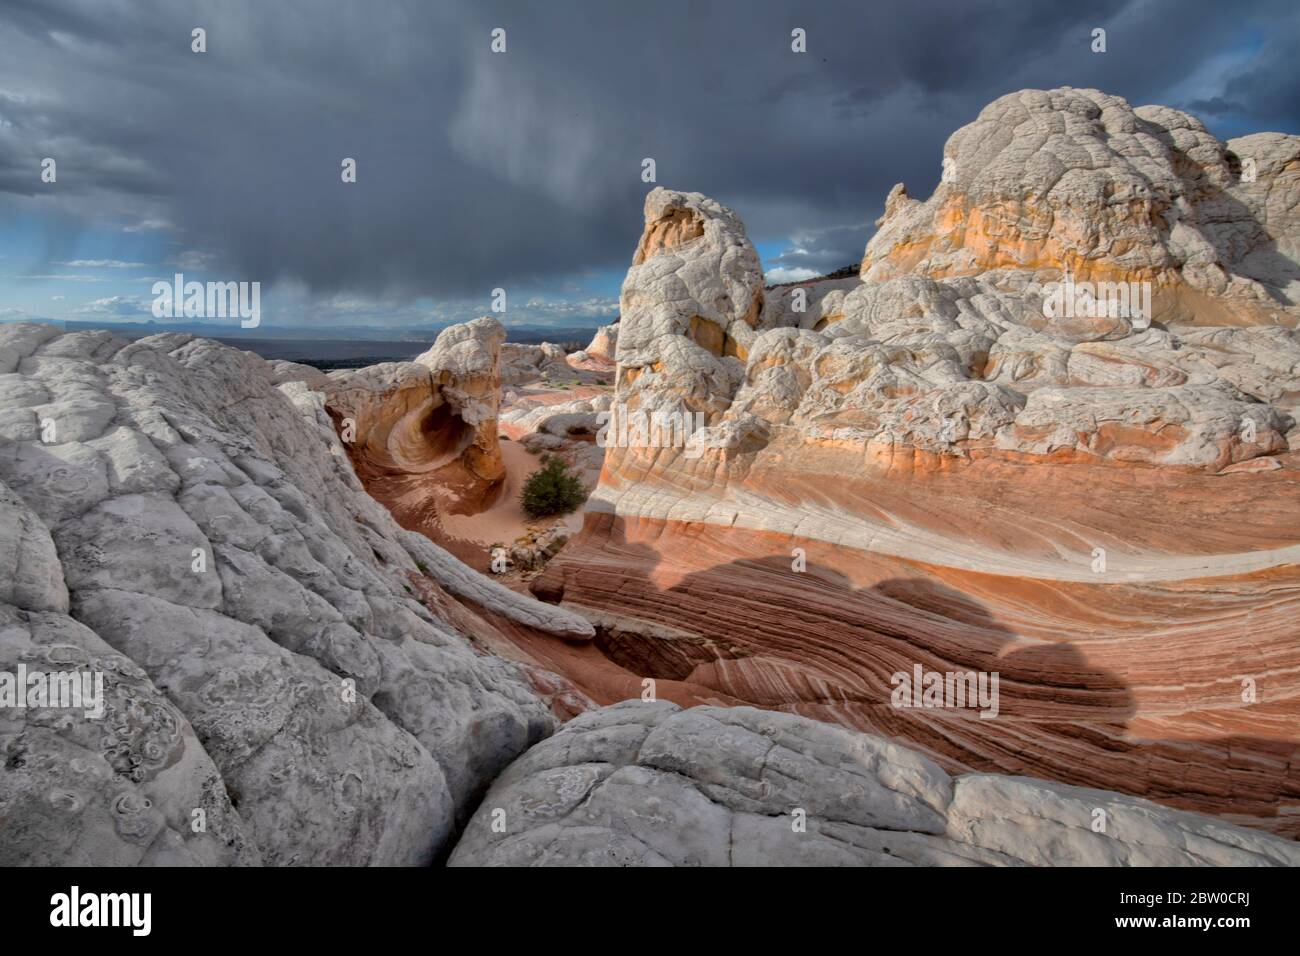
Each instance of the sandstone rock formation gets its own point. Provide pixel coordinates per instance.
(690, 307)
(1079, 180)
(954, 364)
(532, 363)
(930, 466)
(564, 428)
(935, 464)
(523, 364)
(604, 344)
(422, 434)
(280, 661)
(653, 785)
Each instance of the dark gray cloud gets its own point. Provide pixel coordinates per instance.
(816, 252)
(479, 169)
(1263, 93)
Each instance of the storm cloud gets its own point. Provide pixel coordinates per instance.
(479, 169)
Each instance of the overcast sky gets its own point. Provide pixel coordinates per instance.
(522, 169)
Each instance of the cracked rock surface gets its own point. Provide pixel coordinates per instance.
(174, 519)
(650, 784)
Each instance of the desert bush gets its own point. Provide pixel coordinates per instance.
(552, 490)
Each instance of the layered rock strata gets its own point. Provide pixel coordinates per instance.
(934, 465)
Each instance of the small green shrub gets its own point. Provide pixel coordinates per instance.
(552, 490)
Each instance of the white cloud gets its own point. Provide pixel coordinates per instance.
(148, 225)
(195, 259)
(101, 264)
(785, 274)
(64, 278)
(117, 305)
(816, 252)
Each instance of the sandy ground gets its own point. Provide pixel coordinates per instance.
(506, 520)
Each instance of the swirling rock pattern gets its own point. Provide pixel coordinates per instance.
(422, 435)
(922, 466)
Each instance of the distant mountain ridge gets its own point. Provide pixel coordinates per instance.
(525, 332)
(351, 346)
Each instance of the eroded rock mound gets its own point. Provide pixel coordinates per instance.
(690, 307)
(521, 364)
(604, 344)
(1078, 180)
(548, 364)
(653, 785)
(971, 365)
(422, 434)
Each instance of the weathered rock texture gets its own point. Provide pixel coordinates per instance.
(604, 344)
(1077, 179)
(567, 428)
(652, 785)
(548, 363)
(923, 466)
(521, 364)
(284, 677)
(422, 434)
